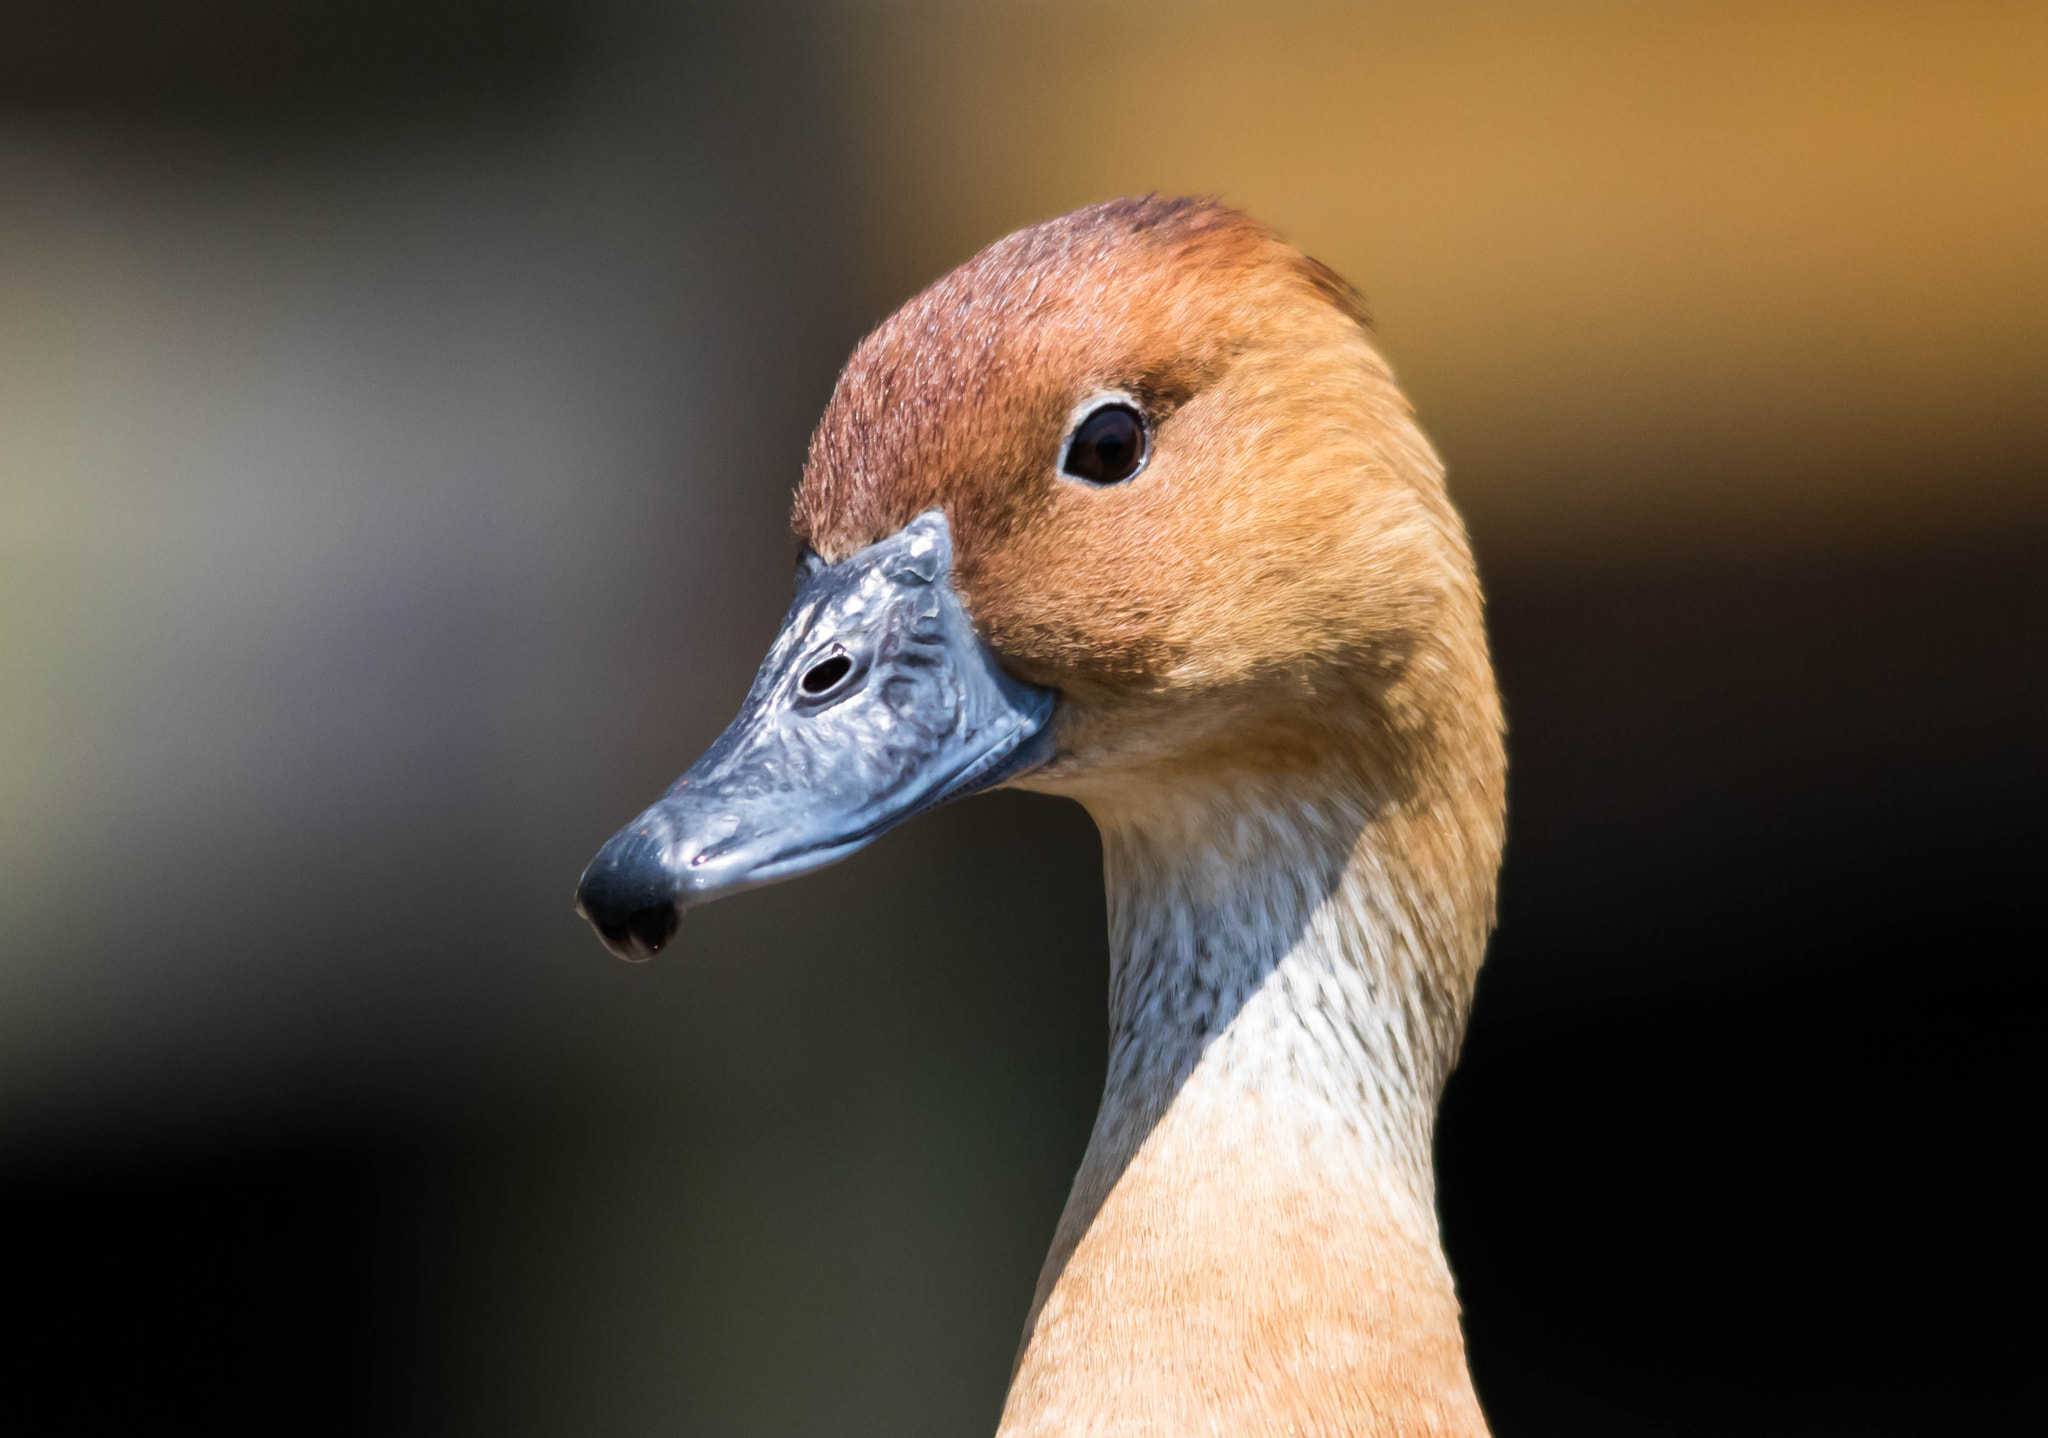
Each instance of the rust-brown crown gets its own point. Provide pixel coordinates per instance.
(1289, 541)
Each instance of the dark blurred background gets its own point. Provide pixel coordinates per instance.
(399, 404)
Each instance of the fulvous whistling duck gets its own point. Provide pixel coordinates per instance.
(1127, 508)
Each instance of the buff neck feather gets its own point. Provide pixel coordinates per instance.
(1251, 1244)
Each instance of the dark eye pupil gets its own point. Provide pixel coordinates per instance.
(1108, 446)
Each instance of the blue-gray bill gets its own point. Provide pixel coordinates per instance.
(878, 701)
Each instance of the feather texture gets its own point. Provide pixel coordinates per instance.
(1276, 701)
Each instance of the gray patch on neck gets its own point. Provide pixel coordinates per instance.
(1279, 961)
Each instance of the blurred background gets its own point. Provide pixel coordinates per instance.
(399, 405)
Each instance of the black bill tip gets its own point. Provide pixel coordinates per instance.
(629, 895)
(638, 936)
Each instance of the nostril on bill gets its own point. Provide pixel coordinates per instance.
(825, 673)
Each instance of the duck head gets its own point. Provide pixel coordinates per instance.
(1125, 508)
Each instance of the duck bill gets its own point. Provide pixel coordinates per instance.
(878, 701)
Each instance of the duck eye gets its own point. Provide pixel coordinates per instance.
(1108, 446)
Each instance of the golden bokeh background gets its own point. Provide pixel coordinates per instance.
(1660, 277)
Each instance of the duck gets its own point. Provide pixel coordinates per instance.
(1129, 509)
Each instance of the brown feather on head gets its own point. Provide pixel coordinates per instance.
(1283, 582)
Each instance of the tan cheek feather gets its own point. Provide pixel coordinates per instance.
(1279, 707)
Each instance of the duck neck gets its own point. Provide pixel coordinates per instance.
(1252, 1238)
(1283, 956)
